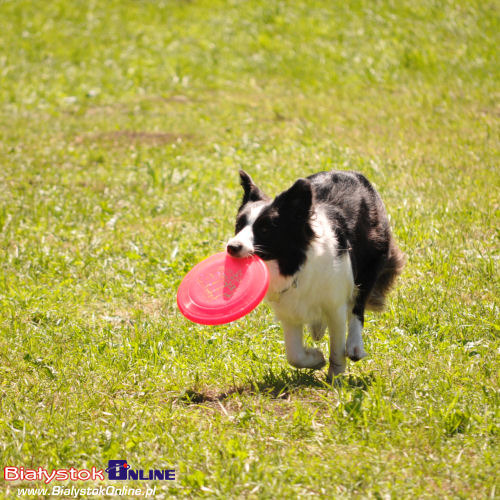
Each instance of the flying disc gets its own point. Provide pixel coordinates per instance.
(222, 288)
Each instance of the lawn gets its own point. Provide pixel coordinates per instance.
(122, 128)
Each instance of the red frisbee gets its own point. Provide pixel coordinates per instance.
(222, 288)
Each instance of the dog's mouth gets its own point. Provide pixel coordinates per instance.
(263, 254)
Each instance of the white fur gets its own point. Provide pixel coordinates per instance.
(321, 292)
(245, 236)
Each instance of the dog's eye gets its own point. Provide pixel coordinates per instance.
(263, 229)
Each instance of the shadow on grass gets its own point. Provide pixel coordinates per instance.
(279, 385)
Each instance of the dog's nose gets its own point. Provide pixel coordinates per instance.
(234, 248)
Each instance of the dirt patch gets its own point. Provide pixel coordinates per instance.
(131, 106)
(225, 402)
(275, 386)
(191, 396)
(177, 98)
(132, 137)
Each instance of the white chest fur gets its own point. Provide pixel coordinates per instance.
(323, 283)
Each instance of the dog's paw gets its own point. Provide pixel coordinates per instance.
(355, 352)
(314, 359)
(335, 368)
(308, 358)
(317, 331)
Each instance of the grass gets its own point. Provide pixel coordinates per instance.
(122, 128)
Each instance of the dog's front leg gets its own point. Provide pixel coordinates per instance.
(336, 328)
(298, 355)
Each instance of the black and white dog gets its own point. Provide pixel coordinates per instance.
(330, 253)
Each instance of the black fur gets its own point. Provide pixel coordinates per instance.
(357, 215)
(250, 191)
(283, 230)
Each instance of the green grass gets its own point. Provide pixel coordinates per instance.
(122, 127)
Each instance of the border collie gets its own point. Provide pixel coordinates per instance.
(330, 253)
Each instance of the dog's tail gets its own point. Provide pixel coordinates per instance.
(391, 269)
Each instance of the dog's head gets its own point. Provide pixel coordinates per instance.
(276, 229)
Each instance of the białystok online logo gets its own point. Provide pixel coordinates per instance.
(121, 471)
(116, 470)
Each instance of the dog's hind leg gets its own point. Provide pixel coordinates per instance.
(336, 328)
(354, 346)
(298, 355)
(317, 330)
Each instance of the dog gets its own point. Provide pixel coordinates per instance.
(330, 253)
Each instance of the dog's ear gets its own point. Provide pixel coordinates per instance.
(296, 201)
(250, 191)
